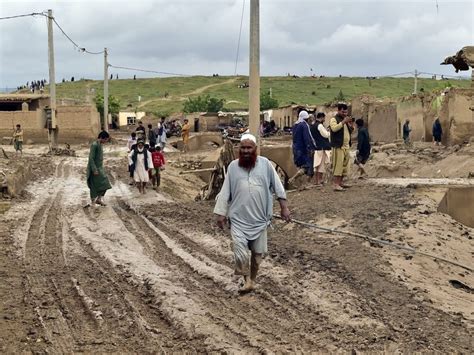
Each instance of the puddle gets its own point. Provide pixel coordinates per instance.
(458, 202)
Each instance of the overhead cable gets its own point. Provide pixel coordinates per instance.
(25, 15)
(147, 71)
(82, 49)
(240, 35)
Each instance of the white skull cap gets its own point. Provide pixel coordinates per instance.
(248, 136)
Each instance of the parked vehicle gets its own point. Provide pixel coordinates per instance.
(173, 128)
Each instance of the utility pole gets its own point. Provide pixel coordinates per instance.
(254, 82)
(415, 89)
(105, 120)
(53, 129)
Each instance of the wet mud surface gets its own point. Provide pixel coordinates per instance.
(153, 274)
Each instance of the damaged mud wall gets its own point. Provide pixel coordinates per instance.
(30, 121)
(460, 118)
(452, 106)
(76, 124)
(412, 109)
(382, 122)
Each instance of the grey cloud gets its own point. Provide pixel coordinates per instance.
(200, 37)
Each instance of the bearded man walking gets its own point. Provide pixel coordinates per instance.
(246, 202)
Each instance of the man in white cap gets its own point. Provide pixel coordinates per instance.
(303, 147)
(246, 202)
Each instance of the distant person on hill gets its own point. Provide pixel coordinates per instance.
(185, 129)
(97, 180)
(406, 132)
(437, 131)
(340, 128)
(322, 154)
(363, 147)
(18, 139)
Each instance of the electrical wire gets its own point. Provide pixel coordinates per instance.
(445, 76)
(398, 74)
(82, 49)
(240, 35)
(147, 71)
(25, 15)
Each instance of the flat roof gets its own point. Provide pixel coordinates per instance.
(22, 97)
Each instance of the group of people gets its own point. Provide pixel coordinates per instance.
(437, 132)
(35, 85)
(145, 155)
(315, 146)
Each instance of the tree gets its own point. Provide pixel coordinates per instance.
(340, 97)
(267, 102)
(204, 103)
(114, 104)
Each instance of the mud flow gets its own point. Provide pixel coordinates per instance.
(153, 274)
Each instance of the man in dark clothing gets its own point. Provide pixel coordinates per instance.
(303, 146)
(437, 131)
(406, 132)
(140, 131)
(151, 136)
(363, 147)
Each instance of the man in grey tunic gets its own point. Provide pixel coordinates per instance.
(246, 201)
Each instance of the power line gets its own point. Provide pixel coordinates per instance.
(398, 74)
(146, 70)
(240, 35)
(445, 76)
(82, 49)
(25, 15)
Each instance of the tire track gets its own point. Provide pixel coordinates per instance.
(250, 317)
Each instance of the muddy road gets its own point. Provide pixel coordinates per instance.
(152, 274)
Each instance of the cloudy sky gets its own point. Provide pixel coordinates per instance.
(351, 37)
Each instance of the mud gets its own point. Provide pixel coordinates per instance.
(153, 274)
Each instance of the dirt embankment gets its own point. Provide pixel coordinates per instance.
(152, 273)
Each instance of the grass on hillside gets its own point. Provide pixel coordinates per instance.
(287, 90)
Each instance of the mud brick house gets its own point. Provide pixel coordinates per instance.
(76, 123)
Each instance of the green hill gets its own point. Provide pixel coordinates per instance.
(166, 95)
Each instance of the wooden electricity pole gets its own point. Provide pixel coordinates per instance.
(53, 128)
(105, 120)
(254, 82)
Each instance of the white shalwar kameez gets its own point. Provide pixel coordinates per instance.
(140, 174)
(246, 198)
